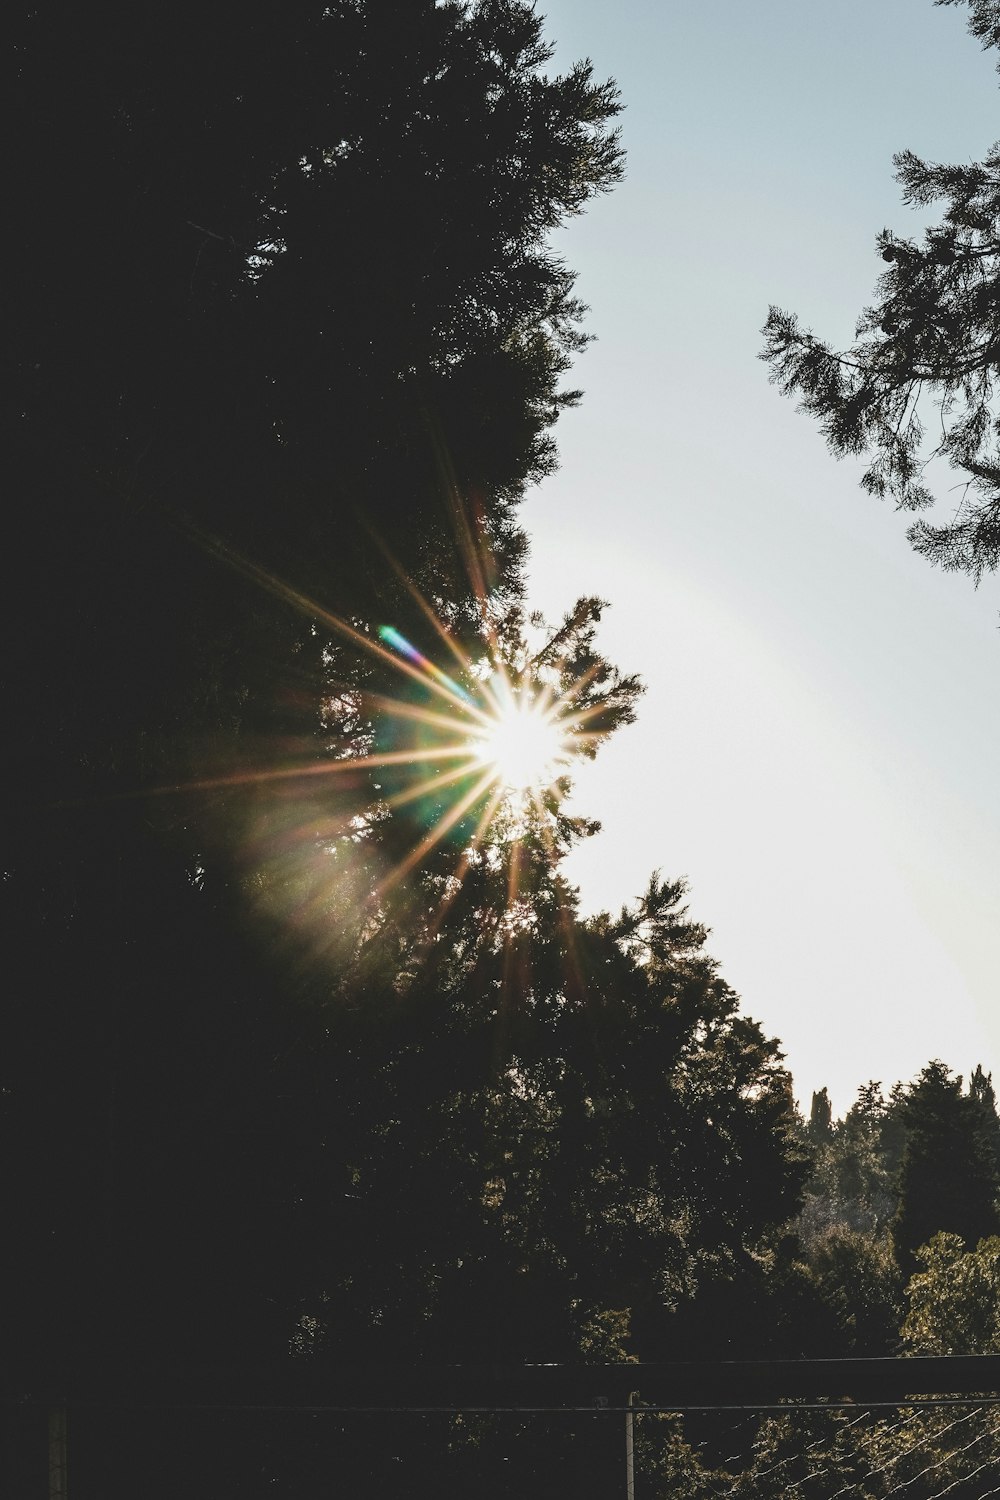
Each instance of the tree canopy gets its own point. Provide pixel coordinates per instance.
(917, 390)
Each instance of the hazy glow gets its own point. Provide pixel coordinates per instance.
(817, 747)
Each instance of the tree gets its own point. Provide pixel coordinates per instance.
(931, 340)
(954, 1301)
(981, 1091)
(984, 20)
(244, 361)
(853, 1182)
(948, 1177)
(549, 1134)
(843, 1227)
(819, 1128)
(859, 1281)
(271, 326)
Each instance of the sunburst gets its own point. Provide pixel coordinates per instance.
(509, 740)
(526, 746)
(481, 751)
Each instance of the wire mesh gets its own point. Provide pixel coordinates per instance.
(918, 1453)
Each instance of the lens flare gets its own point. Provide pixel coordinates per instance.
(460, 760)
(420, 778)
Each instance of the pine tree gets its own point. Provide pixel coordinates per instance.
(926, 357)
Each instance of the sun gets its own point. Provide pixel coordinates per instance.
(524, 745)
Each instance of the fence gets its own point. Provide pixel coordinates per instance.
(915, 1428)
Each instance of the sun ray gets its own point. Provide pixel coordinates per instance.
(221, 550)
(431, 784)
(343, 765)
(426, 609)
(462, 868)
(514, 874)
(398, 708)
(430, 841)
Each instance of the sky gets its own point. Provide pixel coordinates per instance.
(817, 748)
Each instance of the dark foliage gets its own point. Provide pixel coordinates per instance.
(925, 362)
(284, 300)
(820, 1126)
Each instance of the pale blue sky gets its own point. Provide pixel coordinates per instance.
(818, 746)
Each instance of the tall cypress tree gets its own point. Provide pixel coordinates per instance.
(820, 1126)
(982, 1092)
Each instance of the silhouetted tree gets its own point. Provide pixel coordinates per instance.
(820, 1117)
(559, 1147)
(981, 1091)
(930, 339)
(310, 297)
(286, 303)
(984, 20)
(948, 1177)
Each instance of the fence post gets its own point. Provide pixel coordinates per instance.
(629, 1465)
(58, 1484)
